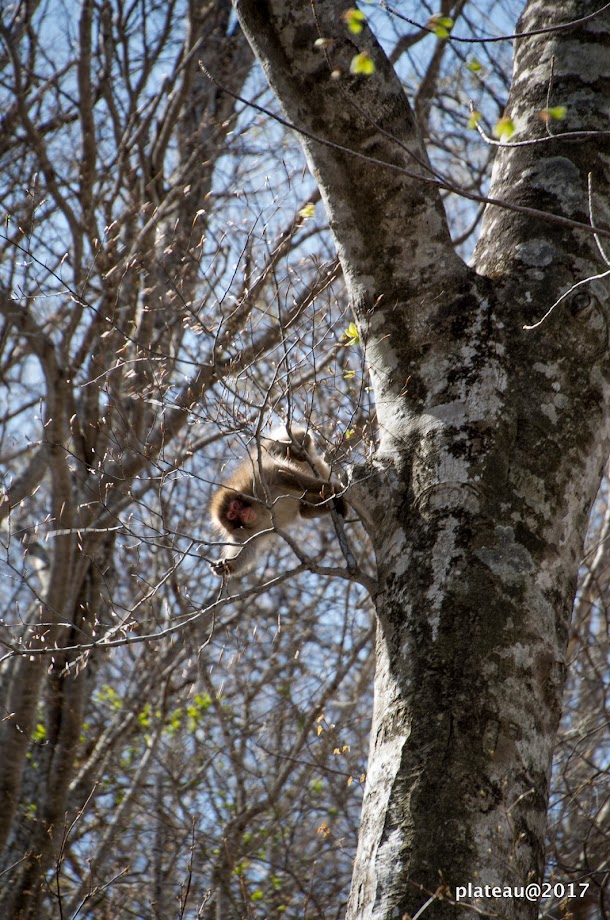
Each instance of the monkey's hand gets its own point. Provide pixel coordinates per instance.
(221, 567)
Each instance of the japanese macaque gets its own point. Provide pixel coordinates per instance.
(286, 480)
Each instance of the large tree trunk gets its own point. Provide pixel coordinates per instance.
(493, 440)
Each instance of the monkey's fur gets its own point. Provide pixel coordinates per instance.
(286, 480)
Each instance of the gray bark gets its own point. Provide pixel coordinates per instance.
(493, 441)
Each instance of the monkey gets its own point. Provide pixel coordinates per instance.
(285, 481)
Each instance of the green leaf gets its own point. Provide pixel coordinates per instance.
(174, 722)
(504, 128)
(473, 65)
(39, 733)
(352, 335)
(474, 119)
(440, 25)
(557, 113)
(108, 694)
(203, 701)
(307, 210)
(363, 64)
(354, 20)
(196, 710)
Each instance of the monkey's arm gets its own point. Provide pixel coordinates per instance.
(240, 558)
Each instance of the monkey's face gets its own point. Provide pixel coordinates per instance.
(240, 513)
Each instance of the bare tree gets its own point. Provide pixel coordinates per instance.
(157, 308)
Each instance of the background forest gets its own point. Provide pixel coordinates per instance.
(169, 290)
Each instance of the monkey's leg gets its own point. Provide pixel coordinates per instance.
(297, 449)
(317, 496)
(319, 506)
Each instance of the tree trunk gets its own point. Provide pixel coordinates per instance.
(493, 439)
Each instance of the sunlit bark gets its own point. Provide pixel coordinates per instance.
(493, 440)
